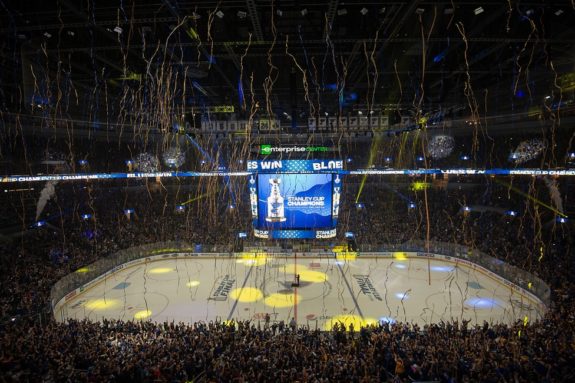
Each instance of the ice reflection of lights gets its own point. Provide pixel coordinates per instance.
(402, 296)
(161, 270)
(442, 269)
(481, 303)
(346, 256)
(400, 266)
(193, 283)
(253, 259)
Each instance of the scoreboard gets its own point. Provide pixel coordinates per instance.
(295, 198)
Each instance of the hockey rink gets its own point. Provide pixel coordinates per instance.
(349, 289)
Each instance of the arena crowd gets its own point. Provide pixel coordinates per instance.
(33, 347)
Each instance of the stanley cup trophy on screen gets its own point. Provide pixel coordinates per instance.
(275, 202)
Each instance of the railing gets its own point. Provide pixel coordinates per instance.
(515, 275)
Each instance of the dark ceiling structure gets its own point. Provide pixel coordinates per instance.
(290, 59)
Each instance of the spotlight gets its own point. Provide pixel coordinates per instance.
(359, 112)
(363, 11)
(465, 158)
(326, 114)
(86, 216)
(359, 206)
(341, 12)
(420, 158)
(348, 160)
(242, 234)
(304, 12)
(128, 211)
(466, 209)
(242, 14)
(220, 14)
(180, 208)
(40, 223)
(478, 11)
(387, 159)
(562, 219)
(83, 162)
(511, 213)
(232, 206)
(547, 97)
(411, 205)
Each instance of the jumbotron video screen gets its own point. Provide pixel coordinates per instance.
(298, 204)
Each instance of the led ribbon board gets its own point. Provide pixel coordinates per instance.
(321, 164)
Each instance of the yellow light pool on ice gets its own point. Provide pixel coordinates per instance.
(142, 314)
(312, 276)
(281, 300)
(357, 321)
(400, 256)
(101, 304)
(160, 270)
(193, 283)
(83, 270)
(291, 268)
(247, 294)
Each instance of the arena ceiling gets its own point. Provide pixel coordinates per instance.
(289, 59)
